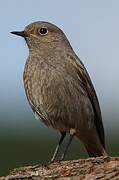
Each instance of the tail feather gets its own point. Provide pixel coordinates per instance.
(95, 152)
(92, 143)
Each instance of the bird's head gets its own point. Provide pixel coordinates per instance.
(40, 34)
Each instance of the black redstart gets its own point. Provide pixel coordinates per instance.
(59, 89)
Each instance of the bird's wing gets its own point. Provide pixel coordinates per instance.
(89, 88)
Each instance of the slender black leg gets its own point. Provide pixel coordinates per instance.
(63, 134)
(66, 149)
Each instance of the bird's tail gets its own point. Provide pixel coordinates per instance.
(95, 151)
(92, 144)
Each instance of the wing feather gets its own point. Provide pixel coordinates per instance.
(89, 88)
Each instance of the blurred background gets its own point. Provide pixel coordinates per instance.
(92, 28)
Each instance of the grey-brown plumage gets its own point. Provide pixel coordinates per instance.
(59, 88)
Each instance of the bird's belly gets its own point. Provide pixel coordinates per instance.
(63, 112)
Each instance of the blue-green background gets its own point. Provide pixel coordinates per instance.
(93, 30)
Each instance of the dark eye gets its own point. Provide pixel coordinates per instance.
(43, 31)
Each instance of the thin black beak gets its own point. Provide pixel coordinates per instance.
(19, 33)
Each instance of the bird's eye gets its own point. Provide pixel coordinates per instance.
(43, 31)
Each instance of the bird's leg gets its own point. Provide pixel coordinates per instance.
(72, 133)
(66, 149)
(63, 134)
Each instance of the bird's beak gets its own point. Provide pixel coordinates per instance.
(19, 33)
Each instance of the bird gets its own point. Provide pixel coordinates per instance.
(59, 89)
